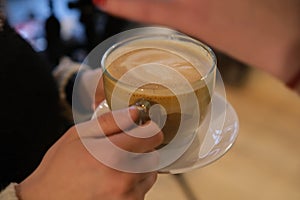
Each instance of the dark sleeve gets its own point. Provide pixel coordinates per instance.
(30, 113)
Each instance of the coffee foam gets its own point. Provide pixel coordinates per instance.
(148, 65)
(194, 54)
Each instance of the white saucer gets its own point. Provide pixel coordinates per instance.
(216, 142)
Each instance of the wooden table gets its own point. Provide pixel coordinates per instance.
(264, 163)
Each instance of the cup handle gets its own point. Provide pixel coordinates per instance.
(143, 106)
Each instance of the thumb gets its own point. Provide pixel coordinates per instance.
(109, 123)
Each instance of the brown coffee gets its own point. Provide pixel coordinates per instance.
(158, 76)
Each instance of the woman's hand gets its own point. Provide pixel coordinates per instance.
(69, 171)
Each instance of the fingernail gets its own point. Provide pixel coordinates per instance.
(100, 3)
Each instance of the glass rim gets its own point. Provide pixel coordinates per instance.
(155, 33)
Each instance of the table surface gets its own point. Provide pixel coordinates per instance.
(263, 164)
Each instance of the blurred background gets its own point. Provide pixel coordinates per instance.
(263, 164)
(56, 28)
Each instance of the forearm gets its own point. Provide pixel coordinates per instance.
(264, 34)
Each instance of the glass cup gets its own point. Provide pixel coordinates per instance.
(168, 75)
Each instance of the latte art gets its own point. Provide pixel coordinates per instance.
(149, 61)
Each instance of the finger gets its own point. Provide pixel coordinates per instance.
(116, 152)
(140, 139)
(148, 11)
(109, 123)
(119, 120)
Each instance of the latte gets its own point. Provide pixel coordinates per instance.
(158, 73)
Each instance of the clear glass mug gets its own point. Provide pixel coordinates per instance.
(169, 76)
